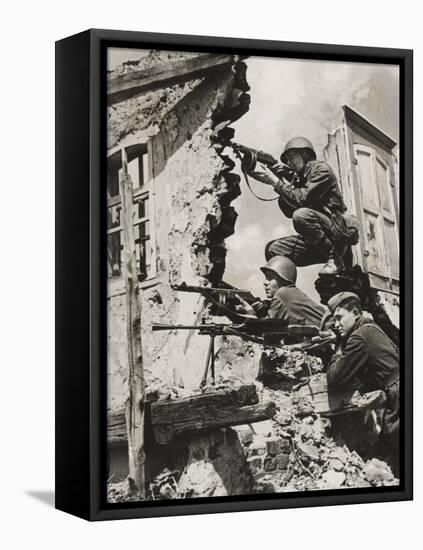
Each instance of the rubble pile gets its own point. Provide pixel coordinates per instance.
(296, 450)
(281, 367)
(314, 458)
(315, 455)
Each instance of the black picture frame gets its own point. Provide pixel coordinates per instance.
(81, 284)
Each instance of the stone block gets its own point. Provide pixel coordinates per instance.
(282, 461)
(257, 448)
(285, 445)
(263, 428)
(245, 434)
(273, 445)
(270, 464)
(255, 464)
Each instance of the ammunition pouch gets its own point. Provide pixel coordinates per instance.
(346, 225)
(353, 229)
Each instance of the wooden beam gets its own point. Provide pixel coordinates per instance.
(213, 410)
(135, 405)
(219, 417)
(124, 86)
(116, 427)
(201, 406)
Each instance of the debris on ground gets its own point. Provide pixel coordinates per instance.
(296, 450)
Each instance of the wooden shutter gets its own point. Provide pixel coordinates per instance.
(379, 223)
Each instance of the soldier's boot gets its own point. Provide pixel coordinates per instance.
(340, 258)
(334, 266)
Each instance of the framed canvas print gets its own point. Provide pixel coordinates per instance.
(234, 282)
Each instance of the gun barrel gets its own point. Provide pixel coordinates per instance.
(202, 328)
(174, 327)
(189, 288)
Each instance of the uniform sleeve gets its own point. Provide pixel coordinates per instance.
(278, 309)
(344, 367)
(317, 185)
(263, 174)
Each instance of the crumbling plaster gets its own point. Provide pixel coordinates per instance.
(191, 192)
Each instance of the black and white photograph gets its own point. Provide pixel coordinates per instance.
(253, 275)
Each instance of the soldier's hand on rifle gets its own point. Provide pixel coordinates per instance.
(282, 170)
(265, 175)
(244, 307)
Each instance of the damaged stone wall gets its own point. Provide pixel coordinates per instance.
(186, 125)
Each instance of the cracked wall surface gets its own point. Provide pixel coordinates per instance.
(193, 186)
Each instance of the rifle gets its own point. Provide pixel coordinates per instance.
(226, 290)
(262, 331)
(224, 298)
(249, 158)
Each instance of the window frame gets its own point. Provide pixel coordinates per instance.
(116, 285)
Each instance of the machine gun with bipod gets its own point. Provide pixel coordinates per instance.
(268, 332)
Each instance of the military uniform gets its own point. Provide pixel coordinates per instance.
(292, 305)
(316, 207)
(370, 357)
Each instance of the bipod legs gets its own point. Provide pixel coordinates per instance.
(209, 363)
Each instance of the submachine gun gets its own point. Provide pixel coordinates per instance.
(268, 332)
(224, 299)
(249, 158)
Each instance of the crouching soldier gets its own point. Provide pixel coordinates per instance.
(365, 354)
(285, 300)
(313, 200)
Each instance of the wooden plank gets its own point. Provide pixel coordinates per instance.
(337, 402)
(205, 411)
(220, 418)
(198, 407)
(116, 427)
(324, 400)
(133, 83)
(135, 405)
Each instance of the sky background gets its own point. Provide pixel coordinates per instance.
(292, 97)
(298, 97)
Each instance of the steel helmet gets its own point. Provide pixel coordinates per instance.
(339, 298)
(282, 266)
(299, 143)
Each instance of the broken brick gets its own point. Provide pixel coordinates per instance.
(270, 464)
(273, 445)
(282, 461)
